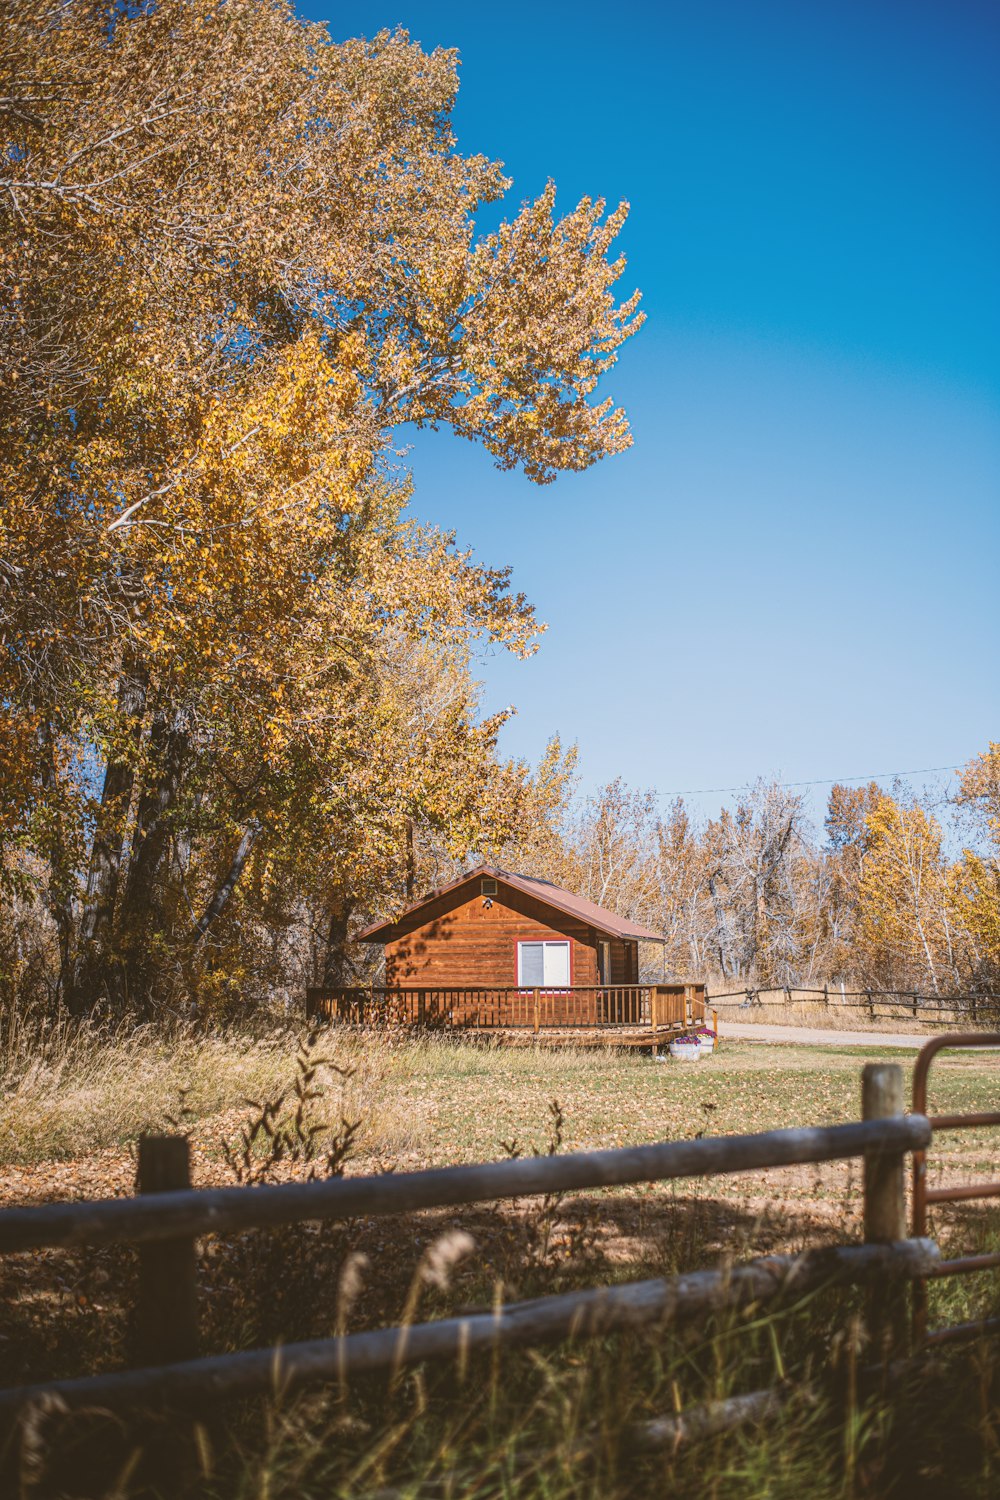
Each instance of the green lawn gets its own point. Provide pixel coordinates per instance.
(457, 1102)
(437, 1101)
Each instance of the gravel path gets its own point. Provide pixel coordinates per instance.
(816, 1036)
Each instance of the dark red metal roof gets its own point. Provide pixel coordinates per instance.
(542, 890)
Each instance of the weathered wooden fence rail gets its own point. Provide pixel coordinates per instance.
(649, 1305)
(199, 1211)
(165, 1221)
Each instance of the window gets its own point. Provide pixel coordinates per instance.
(543, 964)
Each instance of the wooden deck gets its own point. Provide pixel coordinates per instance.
(634, 1038)
(633, 1015)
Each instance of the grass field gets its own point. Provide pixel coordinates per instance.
(73, 1112)
(72, 1108)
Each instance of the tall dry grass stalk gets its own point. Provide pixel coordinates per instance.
(71, 1088)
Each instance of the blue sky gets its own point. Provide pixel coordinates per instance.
(795, 568)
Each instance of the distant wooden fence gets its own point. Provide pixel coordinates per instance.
(513, 1008)
(167, 1216)
(886, 1005)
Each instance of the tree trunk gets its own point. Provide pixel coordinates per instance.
(59, 891)
(142, 917)
(169, 747)
(721, 936)
(337, 968)
(221, 898)
(411, 861)
(93, 972)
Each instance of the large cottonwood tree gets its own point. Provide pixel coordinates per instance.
(235, 256)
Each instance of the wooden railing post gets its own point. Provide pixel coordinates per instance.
(884, 1202)
(537, 1004)
(652, 1007)
(166, 1321)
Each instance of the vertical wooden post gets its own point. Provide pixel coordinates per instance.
(166, 1323)
(537, 1006)
(884, 1203)
(652, 1007)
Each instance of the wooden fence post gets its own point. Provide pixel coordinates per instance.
(537, 1009)
(884, 1203)
(166, 1323)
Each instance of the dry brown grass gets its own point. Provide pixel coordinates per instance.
(75, 1100)
(76, 1090)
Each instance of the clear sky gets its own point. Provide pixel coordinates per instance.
(795, 569)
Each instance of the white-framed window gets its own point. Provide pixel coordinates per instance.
(544, 964)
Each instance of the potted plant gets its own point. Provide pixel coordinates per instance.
(707, 1039)
(686, 1048)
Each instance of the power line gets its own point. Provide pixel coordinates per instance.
(711, 791)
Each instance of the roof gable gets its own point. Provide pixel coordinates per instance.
(561, 900)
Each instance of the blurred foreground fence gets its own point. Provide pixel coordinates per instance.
(167, 1216)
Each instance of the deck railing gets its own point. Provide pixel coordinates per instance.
(514, 1007)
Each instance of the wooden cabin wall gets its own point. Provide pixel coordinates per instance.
(462, 941)
(624, 961)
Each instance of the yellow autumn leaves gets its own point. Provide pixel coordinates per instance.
(235, 257)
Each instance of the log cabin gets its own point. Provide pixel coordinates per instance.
(496, 930)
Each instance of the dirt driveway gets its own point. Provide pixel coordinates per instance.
(744, 1031)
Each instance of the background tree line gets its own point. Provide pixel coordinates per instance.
(889, 899)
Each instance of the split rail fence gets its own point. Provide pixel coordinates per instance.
(167, 1216)
(885, 1005)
